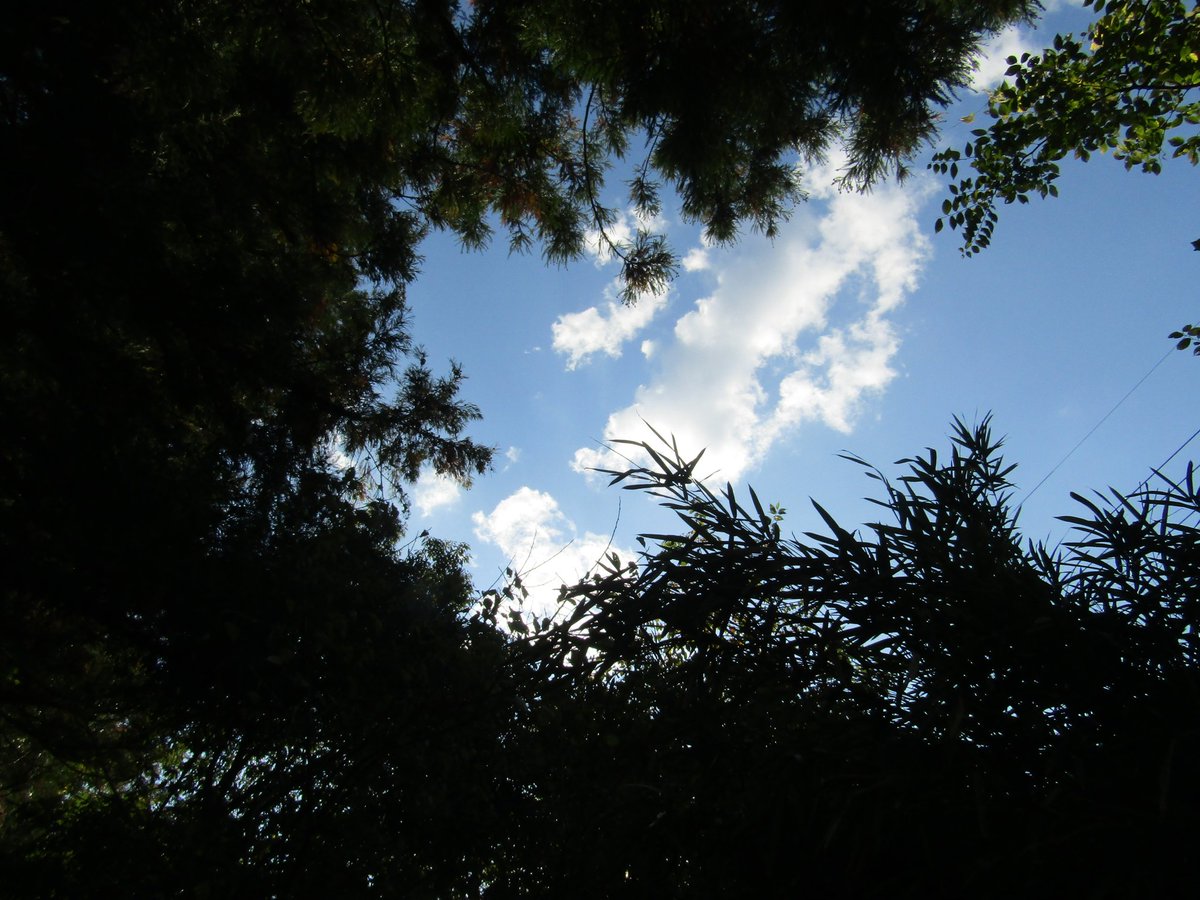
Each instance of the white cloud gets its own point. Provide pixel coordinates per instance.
(598, 248)
(335, 453)
(622, 231)
(512, 454)
(542, 544)
(1053, 6)
(831, 380)
(579, 335)
(696, 260)
(992, 63)
(433, 491)
(796, 331)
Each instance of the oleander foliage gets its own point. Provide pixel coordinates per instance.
(925, 707)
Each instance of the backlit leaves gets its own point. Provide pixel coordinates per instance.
(1128, 87)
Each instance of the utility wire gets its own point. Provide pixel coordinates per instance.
(1163, 464)
(1157, 470)
(1094, 428)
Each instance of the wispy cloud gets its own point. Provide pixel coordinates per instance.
(433, 492)
(605, 328)
(992, 61)
(608, 326)
(335, 452)
(543, 545)
(622, 231)
(1053, 6)
(696, 260)
(794, 332)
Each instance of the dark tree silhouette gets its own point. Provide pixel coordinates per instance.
(221, 669)
(926, 709)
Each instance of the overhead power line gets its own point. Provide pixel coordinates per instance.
(1094, 428)
(1162, 465)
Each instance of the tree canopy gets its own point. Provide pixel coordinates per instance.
(1129, 85)
(921, 708)
(225, 668)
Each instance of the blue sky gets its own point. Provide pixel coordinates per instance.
(856, 329)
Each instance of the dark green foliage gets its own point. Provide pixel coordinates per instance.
(221, 672)
(929, 709)
(1187, 336)
(724, 96)
(216, 668)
